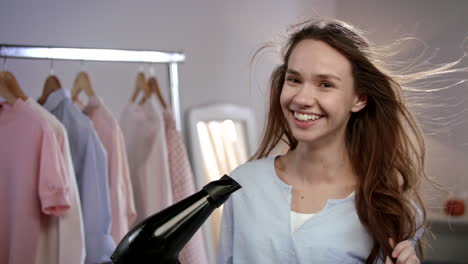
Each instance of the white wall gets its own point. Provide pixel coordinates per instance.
(218, 38)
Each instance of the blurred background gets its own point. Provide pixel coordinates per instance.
(219, 39)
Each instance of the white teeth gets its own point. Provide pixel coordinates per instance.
(306, 117)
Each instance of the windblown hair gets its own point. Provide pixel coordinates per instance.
(384, 141)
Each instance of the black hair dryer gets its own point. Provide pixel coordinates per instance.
(160, 237)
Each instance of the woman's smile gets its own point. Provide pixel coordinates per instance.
(306, 120)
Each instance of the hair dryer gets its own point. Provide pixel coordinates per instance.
(160, 237)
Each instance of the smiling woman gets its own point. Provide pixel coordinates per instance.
(319, 92)
(347, 189)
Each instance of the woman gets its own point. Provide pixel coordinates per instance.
(346, 191)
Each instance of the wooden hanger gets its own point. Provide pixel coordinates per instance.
(154, 87)
(10, 89)
(141, 86)
(51, 85)
(82, 83)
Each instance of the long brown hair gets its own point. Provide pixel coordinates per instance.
(384, 141)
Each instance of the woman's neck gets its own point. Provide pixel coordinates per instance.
(328, 164)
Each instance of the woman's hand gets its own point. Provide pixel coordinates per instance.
(403, 252)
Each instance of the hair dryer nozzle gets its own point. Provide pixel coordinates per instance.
(220, 190)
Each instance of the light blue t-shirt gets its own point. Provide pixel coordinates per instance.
(90, 163)
(256, 225)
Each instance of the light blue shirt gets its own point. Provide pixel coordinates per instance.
(256, 225)
(90, 163)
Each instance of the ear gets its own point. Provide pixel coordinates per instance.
(360, 103)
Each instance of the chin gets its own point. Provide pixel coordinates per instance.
(306, 138)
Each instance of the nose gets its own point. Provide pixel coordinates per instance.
(305, 96)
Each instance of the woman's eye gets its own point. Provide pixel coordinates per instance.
(326, 84)
(293, 80)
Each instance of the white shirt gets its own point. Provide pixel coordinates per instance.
(145, 139)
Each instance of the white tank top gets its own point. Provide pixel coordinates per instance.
(297, 219)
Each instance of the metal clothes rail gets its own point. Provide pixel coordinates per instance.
(172, 59)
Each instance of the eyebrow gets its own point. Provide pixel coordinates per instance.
(322, 76)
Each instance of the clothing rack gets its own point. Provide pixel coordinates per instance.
(172, 59)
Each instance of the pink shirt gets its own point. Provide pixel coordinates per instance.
(62, 241)
(120, 186)
(32, 182)
(182, 186)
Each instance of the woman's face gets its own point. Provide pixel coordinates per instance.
(318, 93)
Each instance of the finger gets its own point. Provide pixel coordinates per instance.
(389, 261)
(391, 241)
(405, 255)
(400, 247)
(413, 260)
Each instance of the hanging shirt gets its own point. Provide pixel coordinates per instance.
(256, 224)
(145, 137)
(183, 186)
(90, 162)
(63, 240)
(120, 186)
(32, 181)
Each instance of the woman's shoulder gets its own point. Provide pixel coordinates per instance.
(253, 170)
